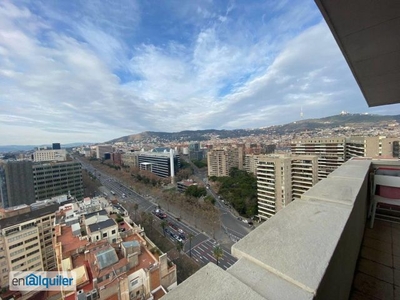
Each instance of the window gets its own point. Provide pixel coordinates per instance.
(104, 234)
(113, 231)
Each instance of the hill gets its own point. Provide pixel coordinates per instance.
(341, 120)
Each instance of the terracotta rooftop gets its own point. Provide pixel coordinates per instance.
(69, 242)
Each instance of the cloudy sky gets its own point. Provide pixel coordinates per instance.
(90, 71)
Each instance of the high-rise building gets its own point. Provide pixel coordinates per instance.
(221, 160)
(53, 179)
(56, 146)
(371, 146)
(282, 179)
(26, 240)
(331, 152)
(17, 183)
(24, 182)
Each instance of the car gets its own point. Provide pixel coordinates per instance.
(179, 239)
(167, 230)
(122, 223)
(180, 231)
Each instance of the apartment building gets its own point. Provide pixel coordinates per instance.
(50, 155)
(331, 152)
(282, 179)
(26, 240)
(221, 160)
(52, 179)
(372, 146)
(250, 163)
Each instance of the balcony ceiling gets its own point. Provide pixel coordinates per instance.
(368, 33)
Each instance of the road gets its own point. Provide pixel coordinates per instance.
(125, 194)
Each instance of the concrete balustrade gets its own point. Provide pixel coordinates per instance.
(308, 250)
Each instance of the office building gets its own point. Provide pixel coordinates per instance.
(24, 182)
(16, 183)
(331, 152)
(50, 155)
(221, 160)
(53, 179)
(159, 162)
(282, 179)
(101, 150)
(56, 146)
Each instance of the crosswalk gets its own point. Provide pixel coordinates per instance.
(203, 254)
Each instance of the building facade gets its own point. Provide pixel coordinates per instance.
(53, 179)
(282, 179)
(16, 184)
(50, 155)
(371, 146)
(101, 150)
(159, 163)
(26, 242)
(221, 160)
(331, 152)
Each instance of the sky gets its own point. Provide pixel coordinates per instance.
(91, 71)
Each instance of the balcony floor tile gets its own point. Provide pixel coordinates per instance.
(377, 274)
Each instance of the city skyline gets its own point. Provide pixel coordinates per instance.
(99, 70)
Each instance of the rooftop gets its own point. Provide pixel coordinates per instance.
(70, 243)
(15, 220)
(102, 225)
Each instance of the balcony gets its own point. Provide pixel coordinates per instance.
(318, 247)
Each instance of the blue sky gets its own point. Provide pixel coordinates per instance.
(96, 70)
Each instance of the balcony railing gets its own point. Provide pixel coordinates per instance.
(309, 250)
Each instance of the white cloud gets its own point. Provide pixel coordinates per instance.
(92, 77)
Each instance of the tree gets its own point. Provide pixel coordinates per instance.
(190, 244)
(179, 247)
(163, 225)
(135, 208)
(218, 253)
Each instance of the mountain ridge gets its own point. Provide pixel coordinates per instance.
(344, 119)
